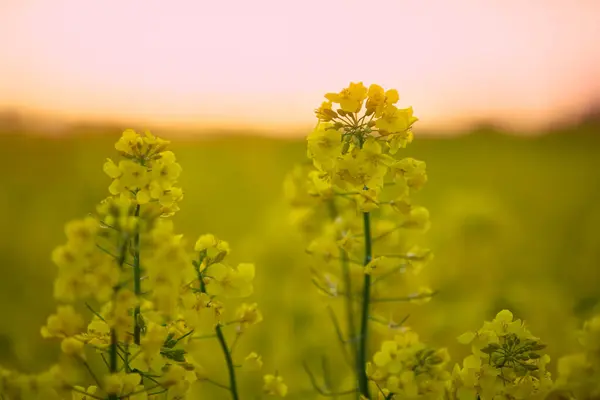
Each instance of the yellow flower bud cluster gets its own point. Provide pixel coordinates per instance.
(83, 271)
(406, 368)
(354, 150)
(507, 362)
(148, 172)
(167, 266)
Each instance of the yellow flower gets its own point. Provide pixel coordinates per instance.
(366, 200)
(351, 98)
(210, 241)
(133, 175)
(72, 347)
(395, 120)
(130, 143)
(82, 233)
(111, 169)
(66, 322)
(165, 170)
(249, 314)
(121, 383)
(324, 146)
(231, 282)
(378, 99)
(325, 113)
(273, 385)
(252, 362)
(80, 396)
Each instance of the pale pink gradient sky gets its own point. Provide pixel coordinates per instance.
(268, 62)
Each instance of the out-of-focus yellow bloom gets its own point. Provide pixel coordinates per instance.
(66, 322)
(273, 385)
(72, 347)
(252, 362)
(249, 314)
(231, 282)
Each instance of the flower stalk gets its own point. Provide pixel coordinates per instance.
(363, 382)
(137, 282)
(221, 337)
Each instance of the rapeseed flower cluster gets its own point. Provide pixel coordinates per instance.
(507, 363)
(406, 368)
(353, 202)
(151, 300)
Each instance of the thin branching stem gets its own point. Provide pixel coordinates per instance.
(222, 341)
(418, 296)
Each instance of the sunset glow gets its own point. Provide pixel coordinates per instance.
(267, 63)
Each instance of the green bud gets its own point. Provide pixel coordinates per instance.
(219, 257)
(538, 346)
(490, 348)
(435, 360)
(345, 147)
(169, 341)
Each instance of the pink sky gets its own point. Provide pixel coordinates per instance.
(268, 62)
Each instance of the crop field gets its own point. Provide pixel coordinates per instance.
(514, 225)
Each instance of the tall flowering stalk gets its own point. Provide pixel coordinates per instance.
(150, 300)
(357, 177)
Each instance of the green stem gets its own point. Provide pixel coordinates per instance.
(113, 366)
(137, 282)
(363, 381)
(229, 360)
(348, 295)
(114, 340)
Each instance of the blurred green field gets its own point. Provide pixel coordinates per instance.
(515, 225)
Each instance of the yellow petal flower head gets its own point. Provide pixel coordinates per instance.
(324, 146)
(66, 322)
(252, 362)
(395, 120)
(378, 99)
(351, 98)
(273, 385)
(230, 282)
(325, 113)
(249, 314)
(165, 170)
(130, 143)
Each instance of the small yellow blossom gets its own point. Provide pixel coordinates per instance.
(273, 385)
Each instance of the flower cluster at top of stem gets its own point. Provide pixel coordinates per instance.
(151, 300)
(507, 363)
(354, 204)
